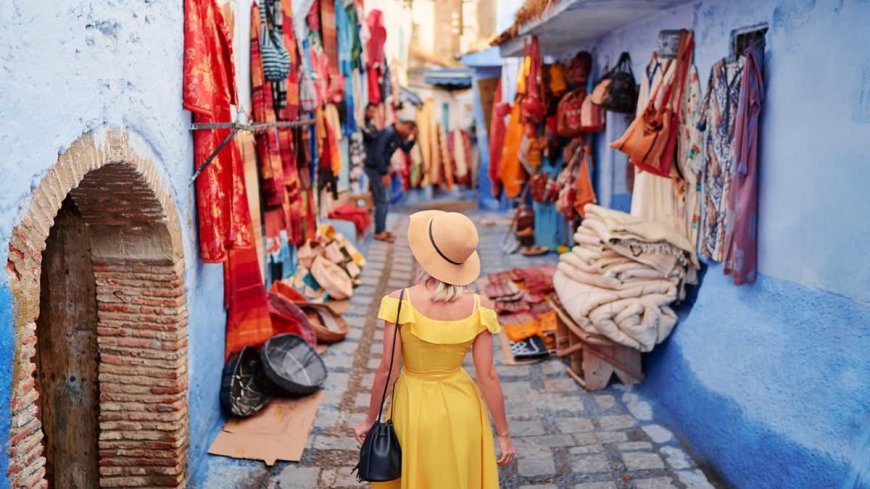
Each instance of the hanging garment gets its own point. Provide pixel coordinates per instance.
(290, 111)
(329, 32)
(497, 139)
(345, 64)
(741, 240)
(271, 169)
(718, 116)
(209, 93)
(333, 126)
(424, 141)
(447, 173)
(510, 171)
(375, 54)
(459, 157)
(652, 195)
(248, 321)
(686, 173)
(248, 149)
(438, 414)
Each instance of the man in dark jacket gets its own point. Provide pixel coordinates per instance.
(379, 151)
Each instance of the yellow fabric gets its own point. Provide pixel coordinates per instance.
(439, 416)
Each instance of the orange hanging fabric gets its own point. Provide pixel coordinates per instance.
(511, 172)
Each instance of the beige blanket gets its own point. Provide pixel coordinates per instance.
(622, 226)
(637, 317)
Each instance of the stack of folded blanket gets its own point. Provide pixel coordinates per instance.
(622, 276)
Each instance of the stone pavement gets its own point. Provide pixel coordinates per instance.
(565, 437)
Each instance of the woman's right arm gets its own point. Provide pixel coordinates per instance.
(490, 388)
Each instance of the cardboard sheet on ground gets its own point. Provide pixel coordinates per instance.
(279, 432)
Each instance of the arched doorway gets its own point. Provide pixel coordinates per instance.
(96, 269)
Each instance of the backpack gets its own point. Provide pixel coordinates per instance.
(569, 120)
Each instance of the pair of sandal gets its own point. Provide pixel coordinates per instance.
(386, 237)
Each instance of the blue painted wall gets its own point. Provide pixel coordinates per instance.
(100, 65)
(770, 383)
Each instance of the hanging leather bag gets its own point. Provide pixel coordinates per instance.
(649, 141)
(380, 458)
(533, 107)
(569, 119)
(591, 115)
(618, 87)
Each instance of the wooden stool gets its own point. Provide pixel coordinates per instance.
(594, 358)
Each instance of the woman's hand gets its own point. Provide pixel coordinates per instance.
(361, 430)
(508, 453)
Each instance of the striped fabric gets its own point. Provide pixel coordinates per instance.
(276, 59)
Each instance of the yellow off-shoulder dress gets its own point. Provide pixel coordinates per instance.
(438, 414)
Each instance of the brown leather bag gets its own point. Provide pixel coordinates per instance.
(539, 183)
(649, 141)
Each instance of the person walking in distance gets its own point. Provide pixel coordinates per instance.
(438, 412)
(383, 144)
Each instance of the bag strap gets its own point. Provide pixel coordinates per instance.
(392, 359)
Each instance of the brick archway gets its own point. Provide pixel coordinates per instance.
(141, 313)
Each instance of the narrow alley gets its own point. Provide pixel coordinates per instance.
(566, 438)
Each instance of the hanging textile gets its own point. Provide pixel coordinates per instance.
(497, 138)
(460, 157)
(718, 116)
(511, 173)
(686, 174)
(424, 141)
(446, 159)
(209, 93)
(329, 33)
(248, 149)
(271, 169)
(375, 54)
(741, 240)
(248, 321)
(290, 111)
(345, 62)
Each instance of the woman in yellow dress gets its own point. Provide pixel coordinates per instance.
(437, 410)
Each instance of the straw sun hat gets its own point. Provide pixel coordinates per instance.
(445, 245)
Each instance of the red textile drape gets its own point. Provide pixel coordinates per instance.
(330, 34)
(375, 54)
(209, 93)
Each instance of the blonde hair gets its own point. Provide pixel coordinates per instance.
(443, 292)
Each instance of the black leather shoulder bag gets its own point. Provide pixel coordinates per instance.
(380, 458)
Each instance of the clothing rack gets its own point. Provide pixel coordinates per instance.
(236, 127)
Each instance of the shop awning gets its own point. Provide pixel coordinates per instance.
(452, 78)
(561, 28)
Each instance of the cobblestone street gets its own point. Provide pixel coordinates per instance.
(565, 437)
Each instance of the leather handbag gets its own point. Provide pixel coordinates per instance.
(569, 114)
(380, 458)
(650, 140)
(534, 109)
(620, 89)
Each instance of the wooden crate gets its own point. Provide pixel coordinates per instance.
(594, 359)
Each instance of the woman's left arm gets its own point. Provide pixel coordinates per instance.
(390, 330)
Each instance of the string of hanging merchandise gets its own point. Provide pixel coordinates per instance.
(236, 127)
